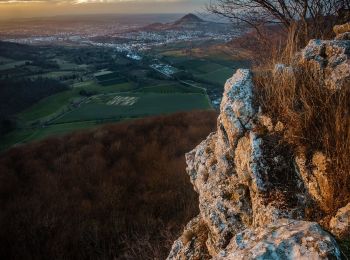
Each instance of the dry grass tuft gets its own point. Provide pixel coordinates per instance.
(316, 118)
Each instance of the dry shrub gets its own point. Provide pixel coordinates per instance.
(117, 192)
(316, 117)
(257, 48)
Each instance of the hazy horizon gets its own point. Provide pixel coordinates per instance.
(18, 9)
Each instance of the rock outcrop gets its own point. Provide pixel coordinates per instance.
(330, 60)
(342, 31)
(340, 223)
(284, 239)
(254, 191)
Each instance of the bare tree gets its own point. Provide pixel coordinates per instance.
(310, 16)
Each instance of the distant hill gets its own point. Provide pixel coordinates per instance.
(189, 22)
(188, 18)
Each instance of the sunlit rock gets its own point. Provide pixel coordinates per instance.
(340, 223)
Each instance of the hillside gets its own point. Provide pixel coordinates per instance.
(119, 191)
(189, 18)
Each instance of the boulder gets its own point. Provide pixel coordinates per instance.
(284, 239)
(343, 28)
(340, 223)
(330, 59)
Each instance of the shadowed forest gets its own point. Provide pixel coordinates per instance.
(120, 191)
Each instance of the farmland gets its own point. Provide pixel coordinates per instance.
(103, 86)
(95, 94)
(129, 105)
(212, 71)
(59, 117)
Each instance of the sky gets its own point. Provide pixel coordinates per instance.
(12, 9)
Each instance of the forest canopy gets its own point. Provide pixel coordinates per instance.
(119, 191)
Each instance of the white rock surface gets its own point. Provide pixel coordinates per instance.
(316, 178)
(330, 60)
(284, 239)
(340, 223)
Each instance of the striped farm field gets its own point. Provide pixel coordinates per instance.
(136, 105)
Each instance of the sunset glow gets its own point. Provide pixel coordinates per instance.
(10, 9)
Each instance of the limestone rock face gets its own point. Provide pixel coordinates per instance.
(284, 239)
(316, 178)
(330, 60)
(254, 191)
(191, 245)
(340, 223)
(343, 28)
(247, 187)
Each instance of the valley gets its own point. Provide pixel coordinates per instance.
(100, 80)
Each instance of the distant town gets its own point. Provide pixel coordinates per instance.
(129, 38)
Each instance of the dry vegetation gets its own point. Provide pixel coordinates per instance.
(250, 45)
(317, 118)
(117, 192)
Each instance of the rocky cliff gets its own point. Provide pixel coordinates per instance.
(255, 192)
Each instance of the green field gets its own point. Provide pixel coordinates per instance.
(172, 88)
(56, 103)
(68, 111)
(26, 135)
(147, 104)
(102, 72)
(99, 89)
(112, 81)
(11, 64)
(65, 65)
(57, 74)
(48, 106)
(107, 76)
(218, 77)
(209, 70)
(92, 114)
